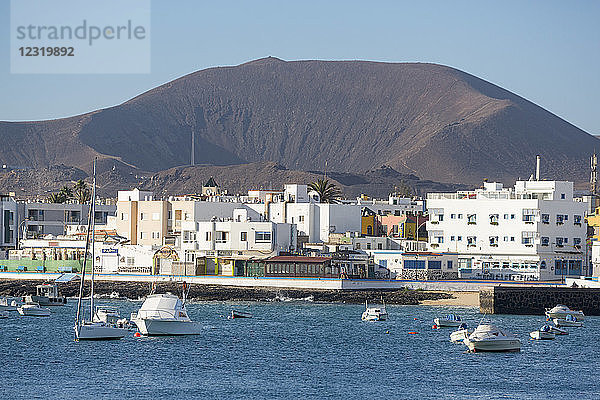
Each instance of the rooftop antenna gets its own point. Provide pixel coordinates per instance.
(325, 169)
(537, 167)
(594, 178)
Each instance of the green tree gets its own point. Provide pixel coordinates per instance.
(328, 191)
(66, 193)
(56, 198)
(81, 192)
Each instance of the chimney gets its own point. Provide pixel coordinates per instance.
(537, 167)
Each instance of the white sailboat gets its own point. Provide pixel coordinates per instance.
(93, 328)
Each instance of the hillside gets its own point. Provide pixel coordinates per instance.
(429, 120)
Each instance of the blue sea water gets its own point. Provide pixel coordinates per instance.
(293, 350)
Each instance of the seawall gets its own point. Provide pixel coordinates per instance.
(535, 300)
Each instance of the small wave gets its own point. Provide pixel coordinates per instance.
(284, 298)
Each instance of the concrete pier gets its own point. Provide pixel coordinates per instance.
(535, 300)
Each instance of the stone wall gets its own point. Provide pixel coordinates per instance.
(426, 275)
(535, 300)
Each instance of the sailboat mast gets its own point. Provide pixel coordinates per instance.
(85, 257)
(93, 241)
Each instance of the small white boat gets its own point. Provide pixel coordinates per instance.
(460, 334)
(569, 320)
(47, 295)
(164, 314)
(544, 333)
(561, 311)
(488, 337)
(7, 304)
(239, 314)
(98, 331)
(33, 310)
(374, 313)
(558, 331)
(450, 320)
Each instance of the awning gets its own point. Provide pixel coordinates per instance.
(64, 278)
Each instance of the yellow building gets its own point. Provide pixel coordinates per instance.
(593, 222)
(368, 223)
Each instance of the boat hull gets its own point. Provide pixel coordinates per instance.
(46, 301)
(443, 323)
(374, 317)
(539, 335)
(460, 335)
(34, 312)
(493, 345)
(99, 331)
(161, 327)
(563, 322)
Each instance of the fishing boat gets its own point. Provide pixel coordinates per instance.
(7, 304)
(33, 310)
(374, 313)
(460, 334)
(47, 294)
(569, 320)
(239, 314)
(488, 337)
(164, 315)
(450, 320)
(561, 311)
(544, 333)
(93, 328)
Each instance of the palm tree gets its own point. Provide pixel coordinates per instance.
(56, 198)
(328, 192)
(66, 193)
(81, 192)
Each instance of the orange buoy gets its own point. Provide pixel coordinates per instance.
(415, 318)
(434, 327)
(412, 333)
(137, 334)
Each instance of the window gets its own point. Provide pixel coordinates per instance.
(460, 216)
(505, 238)
(449, 264)
(577, 219)
(559, 219)
(459, 238)
(142, 216)
(494, 219)
(452, 216)
(545, 241)
(471, 241)
(494, 241)
(155, 235)
(452, 238)
(528, 215)
(124, 216)
(177, 215)
(559, 241)
(244, 236)
(208, 236)
(566, 240)
(368, 246)
(439, 239)
(576, 241)
(221, 236)
(512, 216)
(301, 218)
(512, 238)
(143, 235)
(379, 246)
(562, 196)
(471, 219)
(434, 265)
(505, 216)
(262, 237)
(527, 238)
(130, 261)
(155, 216)
(543, 264)
(441, 217)
(357, 246)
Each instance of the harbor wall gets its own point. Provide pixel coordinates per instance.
(535, 300)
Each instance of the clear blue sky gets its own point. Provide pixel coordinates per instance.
(545, 51)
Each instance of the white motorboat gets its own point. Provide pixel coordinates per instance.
(460, 334)
(561, 311)
(33, 310)
(544, 333)
(101, 324)
(450, 320)
(7, 304)
(488, 337)
(374, 313)
(47, 294)
(569, 320)
(164, 314)
(558, 331)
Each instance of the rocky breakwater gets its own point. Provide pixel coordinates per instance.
(535, 300)
(138, 290)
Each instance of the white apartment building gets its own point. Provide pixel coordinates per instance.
(534, 231)
(238, 235)
(419, 265)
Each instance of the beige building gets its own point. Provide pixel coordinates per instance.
(141, 219)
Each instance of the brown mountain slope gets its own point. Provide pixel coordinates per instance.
(434, 121)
